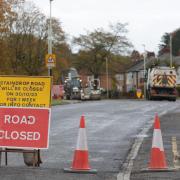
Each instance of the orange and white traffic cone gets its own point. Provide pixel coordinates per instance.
(157, 157)
(80, 162)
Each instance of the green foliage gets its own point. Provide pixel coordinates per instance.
(99, 46)
(176, 43)
(23, 45)
(165, 43)
(24, 36)
(165, 39)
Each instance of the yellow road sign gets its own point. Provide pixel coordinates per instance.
(50, 60)
(25, 91)
(138, 93)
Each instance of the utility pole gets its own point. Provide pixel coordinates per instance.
(144, 71)
(50, 38)
(170, 44)
(107, 78)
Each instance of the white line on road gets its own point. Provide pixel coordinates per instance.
(128, 165)
(175, 153)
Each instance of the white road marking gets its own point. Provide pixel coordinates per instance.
(128, 165)
(175, 153)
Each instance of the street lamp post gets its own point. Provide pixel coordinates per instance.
(170, 42)
(144, 72)
(50, 39)
(107, 78)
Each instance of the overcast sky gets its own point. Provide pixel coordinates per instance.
(148, 19)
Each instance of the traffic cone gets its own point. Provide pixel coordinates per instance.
(80, 162)
(157, 157)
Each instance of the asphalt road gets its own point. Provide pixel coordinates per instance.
(111, 125)
(170, 128)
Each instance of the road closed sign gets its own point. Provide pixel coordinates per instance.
(24, 127)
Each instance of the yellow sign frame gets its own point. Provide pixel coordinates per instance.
(50, 60)
(139, 93)
(25, 91)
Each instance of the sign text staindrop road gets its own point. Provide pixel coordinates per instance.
(25, 91)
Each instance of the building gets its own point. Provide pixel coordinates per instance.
(133, 78)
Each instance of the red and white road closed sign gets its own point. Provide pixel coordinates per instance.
(24, 127)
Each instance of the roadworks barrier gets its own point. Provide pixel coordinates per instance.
(80, 163)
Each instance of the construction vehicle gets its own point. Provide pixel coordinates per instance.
(92, 90)
(72, 85)
(161, 83)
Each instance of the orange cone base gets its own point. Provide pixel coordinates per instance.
(158, 160)
(70, 170)
(169, 169)
(80, 161)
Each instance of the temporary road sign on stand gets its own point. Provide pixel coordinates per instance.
(25, 91)
(139, 93)
(24, 127)
(50, 60)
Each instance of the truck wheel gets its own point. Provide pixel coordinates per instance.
(173, 99)
(150, 97)
(147, 95)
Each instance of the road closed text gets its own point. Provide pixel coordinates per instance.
(22, 135)
(24, 127)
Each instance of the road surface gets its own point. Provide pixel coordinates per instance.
(111, 125)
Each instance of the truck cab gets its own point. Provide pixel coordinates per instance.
(72, 85)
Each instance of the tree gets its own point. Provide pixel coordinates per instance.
(7, 16)
(25, 41)
(98, 45)
(176, 43)
(164, 47)
(135, 56)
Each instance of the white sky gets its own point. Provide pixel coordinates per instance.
(148, 19)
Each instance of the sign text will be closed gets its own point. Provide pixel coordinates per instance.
(25, 91)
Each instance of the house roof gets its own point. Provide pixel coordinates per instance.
(139, 65)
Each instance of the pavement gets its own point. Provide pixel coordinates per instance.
(170, 128)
